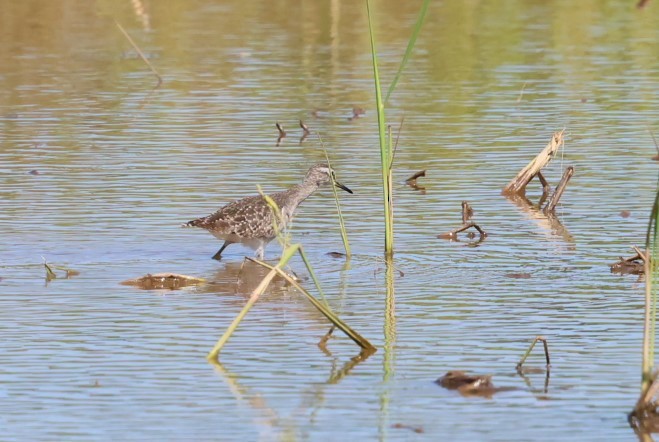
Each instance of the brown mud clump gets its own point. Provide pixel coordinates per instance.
(159, 281)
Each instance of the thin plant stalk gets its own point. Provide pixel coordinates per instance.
(344, 233)
(258, 291)
(649, 329)
(313, 276)
(385, 149)
(140, 53)
(324, 309)
(287, 254)
(410, 46)
(528, 352)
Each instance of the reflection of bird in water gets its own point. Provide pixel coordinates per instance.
(250, 220)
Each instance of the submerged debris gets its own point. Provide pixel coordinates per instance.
(520, 364)
(634, 265)
(645, 415)
(170, 281)
(467, 213)
(522, 275)
(408, 427)
(642, 4)
(51, 274)
(411, 181)
(282, 132)
(305, 131)
(356, 113)
(466, 384)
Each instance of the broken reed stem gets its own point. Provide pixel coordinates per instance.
(213, 355)
(254, 296)
(280, 128)
(467, 212)
(558, 193)
(323, 309)
(517, 185)
(528, 352)
(140, 53)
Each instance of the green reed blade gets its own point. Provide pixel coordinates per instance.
(385, 149)
(410, 46)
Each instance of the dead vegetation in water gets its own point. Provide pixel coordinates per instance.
(163, 281)
(634, 265)
(467, 223)
(52, 274)
(141, 54)
(482, 385)
(516, 188)
(282, 133)
(642, 4)
(412, 181)
(520, 365)
(644, 418)
(305, 132)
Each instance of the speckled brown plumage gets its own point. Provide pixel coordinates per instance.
(249, 221)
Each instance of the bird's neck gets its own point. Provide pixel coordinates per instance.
(301, 192)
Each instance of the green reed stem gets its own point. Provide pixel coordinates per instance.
(410, 46)
(385, 149)
(651, 275)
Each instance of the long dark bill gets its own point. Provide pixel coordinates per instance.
(341, 186)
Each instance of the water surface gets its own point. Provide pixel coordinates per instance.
(119, 168)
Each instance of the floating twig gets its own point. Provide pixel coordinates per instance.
(282, 133)
(467, 213)
(519, 365)
(305, 132)
(411, 181)
(140, 53)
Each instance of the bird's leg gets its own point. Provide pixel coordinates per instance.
(260, 252)
(218, 255)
